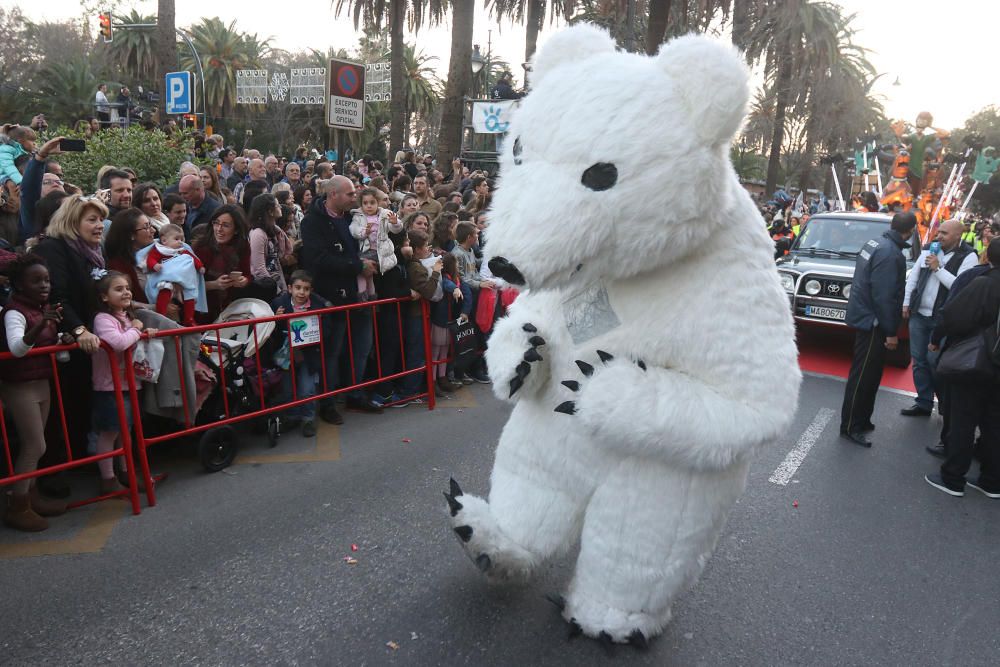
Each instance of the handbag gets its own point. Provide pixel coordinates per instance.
(464, 342)
(967, 360)
(147, 359)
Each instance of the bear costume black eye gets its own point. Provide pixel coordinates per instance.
(517, 150)
(600, 176)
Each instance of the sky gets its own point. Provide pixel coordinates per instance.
(953, 76)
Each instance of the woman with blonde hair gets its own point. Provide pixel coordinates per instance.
(73, 252)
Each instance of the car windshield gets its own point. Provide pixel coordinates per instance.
(839, 235)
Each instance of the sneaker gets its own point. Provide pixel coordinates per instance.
(983, 490)
(464, 379)
(308, 428)
(408, 401)
(481, 377)
(938, 483)
(363, 405)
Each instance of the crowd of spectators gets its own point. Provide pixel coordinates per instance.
(121, 255)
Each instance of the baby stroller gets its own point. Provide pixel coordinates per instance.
(238, 383)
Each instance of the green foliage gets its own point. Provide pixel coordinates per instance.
(154, 156)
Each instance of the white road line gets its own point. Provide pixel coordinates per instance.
(784, 472)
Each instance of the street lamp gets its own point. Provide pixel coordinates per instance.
(477, 60)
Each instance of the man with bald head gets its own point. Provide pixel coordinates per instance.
(238, 175)
(926, 290)
(199, 206)
(332, 255)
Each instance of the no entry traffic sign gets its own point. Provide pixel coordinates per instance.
(345, 105)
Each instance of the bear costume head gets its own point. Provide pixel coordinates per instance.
(616, 162)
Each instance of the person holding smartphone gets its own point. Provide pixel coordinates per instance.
(35, 184)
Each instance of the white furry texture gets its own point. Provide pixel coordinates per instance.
(645, 472)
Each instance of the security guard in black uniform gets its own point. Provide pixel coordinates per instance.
(875, 310)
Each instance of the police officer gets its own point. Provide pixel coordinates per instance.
(875, 311)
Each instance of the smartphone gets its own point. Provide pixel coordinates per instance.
(72, 145)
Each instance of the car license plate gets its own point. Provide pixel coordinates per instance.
(826, 313)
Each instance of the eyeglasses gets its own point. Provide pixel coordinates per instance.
(223, 225)
(144, 228)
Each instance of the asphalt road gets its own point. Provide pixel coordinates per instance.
(247, 567)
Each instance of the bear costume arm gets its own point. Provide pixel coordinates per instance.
(672, 416)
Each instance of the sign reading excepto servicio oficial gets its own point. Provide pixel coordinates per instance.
(345, 98)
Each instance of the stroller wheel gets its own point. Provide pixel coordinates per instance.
(273, 431)
(217, 448)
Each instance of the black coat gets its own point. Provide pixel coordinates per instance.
(878, 285)
(330, 254)
(973, 309)
(73, 286)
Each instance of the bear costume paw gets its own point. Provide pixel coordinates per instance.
(496, 555)
(611, 376)
(515, 362)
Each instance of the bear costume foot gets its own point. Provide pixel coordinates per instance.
(608, 625)
(496, 555)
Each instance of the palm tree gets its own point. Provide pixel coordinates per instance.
(223, 51)
(797, 40)
(133, 48)
(532, 14)
(166, 47)
(421, 91)
(459, 78)
(372, 14)
(66, 89)
(686, 16)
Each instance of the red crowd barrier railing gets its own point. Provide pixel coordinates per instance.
(224, 359)
(72, 461)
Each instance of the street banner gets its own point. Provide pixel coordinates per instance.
(251, 86)
(378, 82)
(308, 85)
(492, 117)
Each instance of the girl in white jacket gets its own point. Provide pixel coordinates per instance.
(371, 225)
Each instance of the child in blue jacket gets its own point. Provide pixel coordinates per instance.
(17, 140)
(299, 298)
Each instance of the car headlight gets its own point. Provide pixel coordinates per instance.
(847, 291)
(813, 287)
(787, 282)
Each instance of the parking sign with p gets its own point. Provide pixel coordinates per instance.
(180, 93)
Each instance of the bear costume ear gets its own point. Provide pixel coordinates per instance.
(712, 81)
(569, 46)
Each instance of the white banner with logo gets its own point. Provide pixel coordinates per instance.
(492, 117)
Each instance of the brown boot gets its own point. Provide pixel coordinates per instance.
(45, 506)
(445, 386)
(20, 516)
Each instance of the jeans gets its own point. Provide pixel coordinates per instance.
(924, 361)
(413, 334)
(361, 346)
(305, 386)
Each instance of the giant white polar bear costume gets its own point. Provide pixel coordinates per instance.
(652, 342)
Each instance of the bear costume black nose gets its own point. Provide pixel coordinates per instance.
(503, 269)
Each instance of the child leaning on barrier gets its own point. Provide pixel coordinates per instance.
(115, 325)
(299, 298)
(456, 304)
(29, 322)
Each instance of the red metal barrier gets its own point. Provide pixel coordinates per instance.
(233, 415)
(71, 462)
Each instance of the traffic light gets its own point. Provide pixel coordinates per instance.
(105, 21)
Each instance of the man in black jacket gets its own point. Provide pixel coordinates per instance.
(331, 254)
(972, 404)
(875, 310)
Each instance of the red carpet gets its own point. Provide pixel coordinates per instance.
(828, 351)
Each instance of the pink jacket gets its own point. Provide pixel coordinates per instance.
(119, 333)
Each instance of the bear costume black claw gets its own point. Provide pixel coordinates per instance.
(464, 533)
(453, 504)
(567, 408)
